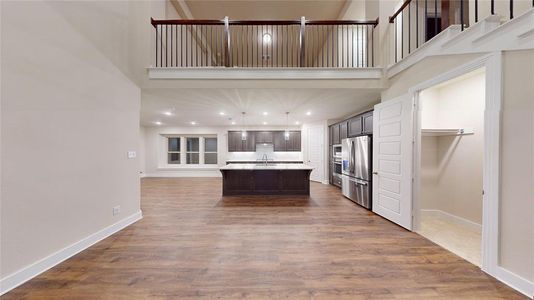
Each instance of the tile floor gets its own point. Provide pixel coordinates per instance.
(462, 240)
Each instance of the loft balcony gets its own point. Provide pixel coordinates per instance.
(459, 26)
(243, 49)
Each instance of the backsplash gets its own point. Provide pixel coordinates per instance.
(267, 149)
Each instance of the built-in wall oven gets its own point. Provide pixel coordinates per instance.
(337, 165)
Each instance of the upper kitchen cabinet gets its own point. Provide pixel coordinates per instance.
(367, 120)
(279, 141)
(343, 130)
(249, 145)
(335, 134)
(293, 143)
(355, 126)
(264, 137)
(237, 144)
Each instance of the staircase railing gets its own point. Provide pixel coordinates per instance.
(264, 44)
(417, 21)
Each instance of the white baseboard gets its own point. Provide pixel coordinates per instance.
(21, 276)
(516, 282)
(451, 218)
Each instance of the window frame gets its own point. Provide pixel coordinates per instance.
(187, 152)
(211, 152)
(179, 152)
(163, 156)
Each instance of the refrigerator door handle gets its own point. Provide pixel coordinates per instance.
(352, 156)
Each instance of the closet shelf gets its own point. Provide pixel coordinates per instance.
(446, 131)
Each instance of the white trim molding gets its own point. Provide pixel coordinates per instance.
(516, 282)
(265, 73)
(21, 276)
(443, 215)
(491, 173)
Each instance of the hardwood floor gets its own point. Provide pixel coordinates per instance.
(193, 243)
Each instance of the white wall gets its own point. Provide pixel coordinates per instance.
(517, 165)
(517, 144)
(69, 116)
(452, 173)
(155, 157)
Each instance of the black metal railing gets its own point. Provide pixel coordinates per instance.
(264, 44)
(417, 21)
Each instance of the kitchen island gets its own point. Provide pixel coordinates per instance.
(266, 179)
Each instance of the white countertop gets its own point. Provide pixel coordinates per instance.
(260, 166)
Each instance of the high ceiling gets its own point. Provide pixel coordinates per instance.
(265, 9)
(203, 106)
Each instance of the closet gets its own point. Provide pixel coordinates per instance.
(451, 164)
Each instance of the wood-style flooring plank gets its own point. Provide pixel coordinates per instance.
(192, 243)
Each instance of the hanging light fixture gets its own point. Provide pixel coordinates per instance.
(286, 133)
(243, 131)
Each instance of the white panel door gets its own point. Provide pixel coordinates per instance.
(393, 160)
(315, 136)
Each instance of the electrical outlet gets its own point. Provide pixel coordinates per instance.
(132, 154)
(116, 210)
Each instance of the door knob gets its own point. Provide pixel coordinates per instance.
(375, 173)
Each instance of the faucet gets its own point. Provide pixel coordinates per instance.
(264, 159)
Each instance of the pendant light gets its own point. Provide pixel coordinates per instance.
(243, 131)
(286, 133)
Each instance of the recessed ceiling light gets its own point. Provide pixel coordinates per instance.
(193, 123)
(308, 113)
(167, 113)
(264, 123)
(265, 113)
(157, 123)
(233, 122)
(222, 113)
(297, 122)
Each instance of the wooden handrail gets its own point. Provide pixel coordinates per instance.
(261, 22)
(392, 18)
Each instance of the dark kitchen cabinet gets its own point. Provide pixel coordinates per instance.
(234, 141)
(355, 126)
(249, 145)
(264, 137)
(237, 144)
(367, 120)
(279, 141)
(335, 134)
(294, 141)
(343, 131)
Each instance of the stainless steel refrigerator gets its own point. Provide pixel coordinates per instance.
(356, 170)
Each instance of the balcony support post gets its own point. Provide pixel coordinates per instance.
(227, 46)
(302, 41)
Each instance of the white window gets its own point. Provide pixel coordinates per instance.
(190, 150)
(193, 151)
(210, 151)
(173, 151)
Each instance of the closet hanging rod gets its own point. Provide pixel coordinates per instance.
(446, 131)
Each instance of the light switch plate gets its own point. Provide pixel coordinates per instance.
(132, 154)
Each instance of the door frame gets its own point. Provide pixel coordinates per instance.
(491, 165)
(324, 149)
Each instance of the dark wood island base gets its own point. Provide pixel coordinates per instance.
(266, 181)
